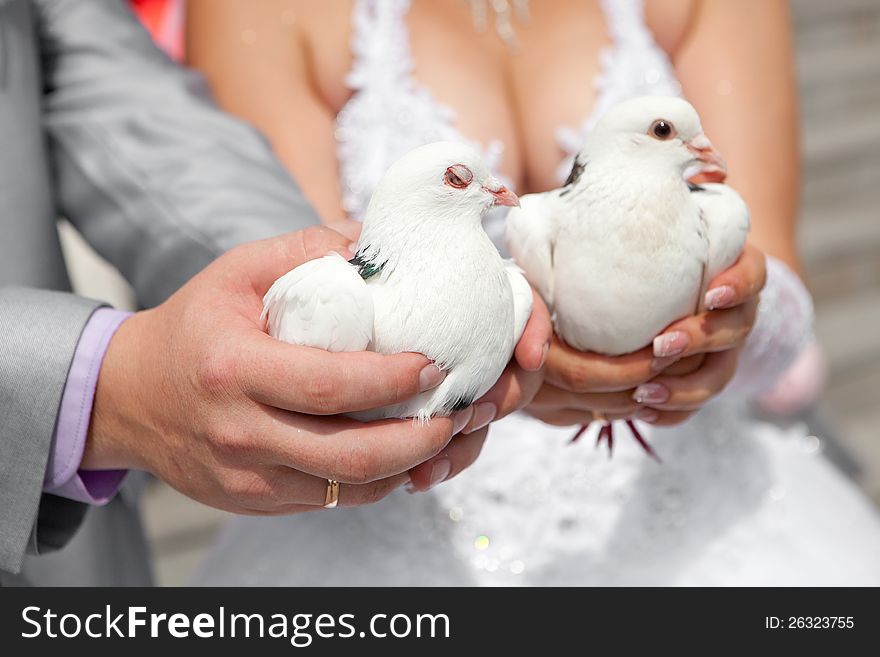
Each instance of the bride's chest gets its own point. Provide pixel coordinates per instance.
(517, 99)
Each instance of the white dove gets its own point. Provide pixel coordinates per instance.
(426, 278)
(627, 246)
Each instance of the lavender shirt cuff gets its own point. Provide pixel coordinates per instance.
(63, 476)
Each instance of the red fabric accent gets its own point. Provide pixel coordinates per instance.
(164, 21)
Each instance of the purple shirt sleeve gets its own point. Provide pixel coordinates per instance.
(63, 476)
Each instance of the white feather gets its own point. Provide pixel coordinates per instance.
(727, 223)
(531, 235)
(435, 284)
(322, 303)
(625, 248)
(522, 298)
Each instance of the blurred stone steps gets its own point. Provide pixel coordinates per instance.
(848, 329)
(860, 429)
(838, 63)
(826, 13)
(180, 529)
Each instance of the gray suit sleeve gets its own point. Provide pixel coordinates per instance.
(40, 330)
(155, 176)
(159, 181)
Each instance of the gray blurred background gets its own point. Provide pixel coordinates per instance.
(838, 53)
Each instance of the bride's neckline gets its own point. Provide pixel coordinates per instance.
(391, 111)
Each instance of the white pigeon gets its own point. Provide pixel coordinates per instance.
(426, 278)
(627, 245)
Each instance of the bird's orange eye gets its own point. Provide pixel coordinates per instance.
(663, 130)
(458, 176)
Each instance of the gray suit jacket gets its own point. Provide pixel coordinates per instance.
(98, 125)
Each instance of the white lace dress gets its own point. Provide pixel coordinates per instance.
(736, 501)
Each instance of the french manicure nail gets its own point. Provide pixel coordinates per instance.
(439, 471)
(353, 247)
(461, 418)
(648, 415)
(430, 377)
(484, 413)
(719, 297)
(671, 344)
(651, 393)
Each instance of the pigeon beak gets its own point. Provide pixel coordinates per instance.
(704, 152)
(503, 196)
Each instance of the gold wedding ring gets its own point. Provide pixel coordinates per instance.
(331, 498)
(599, 416)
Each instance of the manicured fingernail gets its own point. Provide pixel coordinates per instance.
(353, 247)
(439, 471)
(430, 377)
(671, 344)
(648, 415)
(719, 297)
(460, 419)
(544, 352)
(651, 393)
(484, 413)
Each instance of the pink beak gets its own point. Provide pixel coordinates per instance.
(503, 196)
(704, 151)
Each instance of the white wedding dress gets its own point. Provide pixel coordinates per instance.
(736, 500)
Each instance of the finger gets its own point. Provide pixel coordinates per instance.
(587, 371)
(282, 510)
(459, 454)
(549, 397)
(348, 227)
(354, 495)
(279, 487)
(691, 391)
(344, 449)
(269, 259)
(290, 491)
(314, 381)
(669, 418)
(569, 417)
(514, 389)
(563, 417)
(534, 344)
(709, 177)
(715, 330)
(740, 282)
(684, 366)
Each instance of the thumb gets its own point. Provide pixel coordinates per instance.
(271, 258)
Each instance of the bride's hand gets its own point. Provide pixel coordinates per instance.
(579, 383)
(697, 356)
(688, 364)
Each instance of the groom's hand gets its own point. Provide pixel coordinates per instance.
(197, 393)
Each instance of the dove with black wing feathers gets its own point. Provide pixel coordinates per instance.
(626, 246)
(426, 278)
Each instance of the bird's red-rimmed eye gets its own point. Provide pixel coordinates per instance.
(458, 176)
(663, 130)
